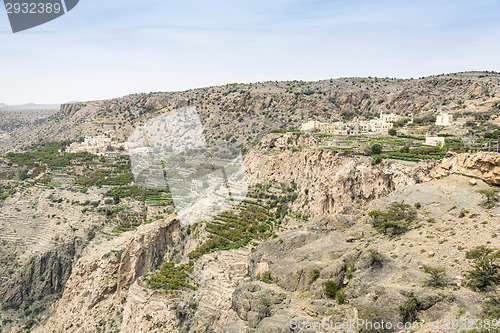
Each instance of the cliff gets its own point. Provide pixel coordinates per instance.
(327, 183)
(484, 166)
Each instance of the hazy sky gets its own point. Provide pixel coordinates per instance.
(109, 48)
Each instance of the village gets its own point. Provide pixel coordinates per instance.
(98, 145)
(381, 126)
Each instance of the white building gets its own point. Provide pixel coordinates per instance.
(434, 141)
(444, 119)
(389, 118)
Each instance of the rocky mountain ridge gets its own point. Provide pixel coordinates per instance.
(246, 112)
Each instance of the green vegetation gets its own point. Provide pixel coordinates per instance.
(485, 272)
(172, 276)
(138, 193)
(491, 195)
(231, 230)
(266, 277)
(264, 309)
(332, 290)
(376, 149)
(409, 309)
(48, 154)
(395, 221)
(252, 220)
(315, 274)
(416, 154)
(6, 191)
(375, 258)
(437, 276)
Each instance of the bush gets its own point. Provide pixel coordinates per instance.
(395, 221)
(491, 195)
(485, 264)
(437, 276)
(375, 258)
(492, 306)
(266, 277)
(340, 296)
(315, 274)
(172, 276)
(264, 309)
(417, 205)
(376, 149)
(331, 289)
(409, 309)
(393, 132)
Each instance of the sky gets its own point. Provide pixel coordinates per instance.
(105, 49)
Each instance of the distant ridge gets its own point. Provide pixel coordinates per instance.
(29, 106)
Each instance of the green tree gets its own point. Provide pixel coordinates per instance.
(393, 132)
(437, 276)
(485, 270)
(491, 194)
(376, 149)
(331, 289)
(409, 309)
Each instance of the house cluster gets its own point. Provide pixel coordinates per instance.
(95, 145)
(381, 125)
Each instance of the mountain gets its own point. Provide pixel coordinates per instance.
(29, 106)
(342, 228)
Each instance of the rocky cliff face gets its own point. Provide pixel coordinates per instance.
(327, 183)
(484, 166)
(105, 291)
(94, 296)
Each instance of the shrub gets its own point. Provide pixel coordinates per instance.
(331, 289)
(491, 195)
(485, 270)
(340, 296)
(492, 306)
(395, 221)
(405, 149)
(417, 205)
(266, 277)
(393, 132)
(437, 276)
(375, 258)
(315, 274)
(409, 309)
(350, 269)
(376, 149)
(172, 276)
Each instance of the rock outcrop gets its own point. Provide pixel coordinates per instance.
(95, 293)
(484, 166)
